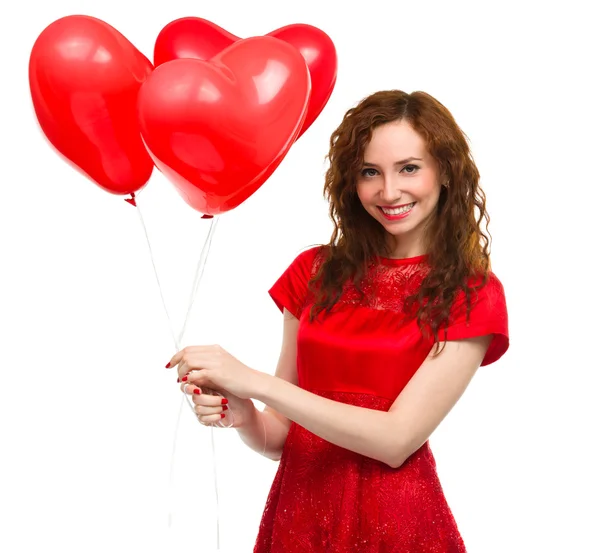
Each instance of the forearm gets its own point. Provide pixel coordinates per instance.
(365, 431)
(267, 440)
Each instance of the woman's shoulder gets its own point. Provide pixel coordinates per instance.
(488, 282)
(311, 252)
(485, 291)
(311, 257)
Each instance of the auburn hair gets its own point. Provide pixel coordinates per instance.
(457, 246)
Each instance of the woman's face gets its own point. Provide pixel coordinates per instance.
(399, 186)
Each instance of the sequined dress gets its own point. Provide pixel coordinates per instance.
(325, 498)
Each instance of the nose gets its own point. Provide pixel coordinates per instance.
(390, 191)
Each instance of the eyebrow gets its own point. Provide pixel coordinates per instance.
(401, 162)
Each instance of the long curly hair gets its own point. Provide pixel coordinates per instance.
(457, 247)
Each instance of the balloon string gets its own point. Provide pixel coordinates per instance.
(177, 342)
(162, 297)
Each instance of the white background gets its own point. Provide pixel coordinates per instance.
(87, 410)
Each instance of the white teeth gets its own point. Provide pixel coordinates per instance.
(398, 210)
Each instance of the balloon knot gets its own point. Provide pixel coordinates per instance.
(131, 200)
(205, 216)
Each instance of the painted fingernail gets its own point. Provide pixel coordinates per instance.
(222, 415)
(168, 366)
(178, 379)
(197, 392)
(184, 378)
(225, 407)
(224, 401)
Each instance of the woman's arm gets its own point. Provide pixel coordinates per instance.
(276, 425)
(392, 436)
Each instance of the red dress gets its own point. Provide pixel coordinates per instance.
(325, 498)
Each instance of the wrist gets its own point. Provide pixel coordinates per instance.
(248, 424)
(245, 415)
(264, 383)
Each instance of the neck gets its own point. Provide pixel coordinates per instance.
(402, 248)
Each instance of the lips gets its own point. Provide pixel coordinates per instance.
(394, 206)
(406, 209)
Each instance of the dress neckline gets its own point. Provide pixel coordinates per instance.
(398, 262)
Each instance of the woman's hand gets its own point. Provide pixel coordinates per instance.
(213, 367)
(211, 408)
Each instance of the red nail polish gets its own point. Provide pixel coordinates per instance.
(168, 366)
(225, 407)
(197, 392)
(222, 415)
(184, 379)
(178, 380)
(224, 401)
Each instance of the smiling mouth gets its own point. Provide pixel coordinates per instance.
(396, 210)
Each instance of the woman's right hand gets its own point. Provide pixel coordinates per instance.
(211, 407)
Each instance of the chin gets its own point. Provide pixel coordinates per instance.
(402, 229)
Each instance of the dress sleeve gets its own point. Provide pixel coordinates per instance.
(291, 288)
(488, 315)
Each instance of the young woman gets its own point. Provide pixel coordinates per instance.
(384, 328)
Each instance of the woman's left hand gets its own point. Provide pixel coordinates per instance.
(213, 367)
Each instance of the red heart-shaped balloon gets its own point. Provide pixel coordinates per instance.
(84, 78)
(219, 128)
(193, 37)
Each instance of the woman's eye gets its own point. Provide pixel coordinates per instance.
(368, 172)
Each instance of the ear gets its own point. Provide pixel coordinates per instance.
(442, 172)
(445, 179)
